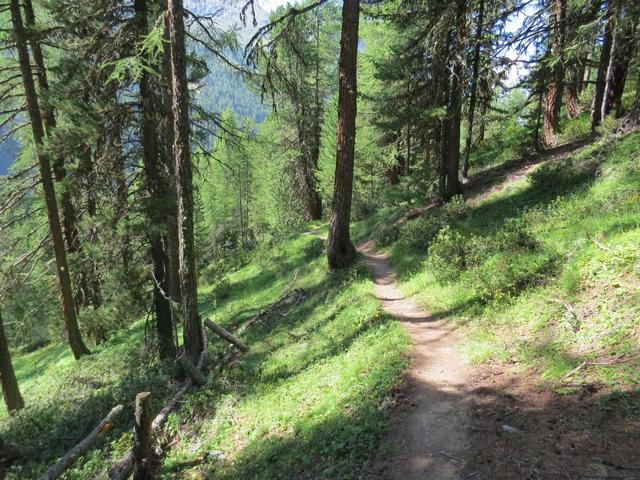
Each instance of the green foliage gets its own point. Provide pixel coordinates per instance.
(447, 255)
(455, 209)
(418, 234)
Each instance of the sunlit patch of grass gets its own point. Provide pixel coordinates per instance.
(311, 395)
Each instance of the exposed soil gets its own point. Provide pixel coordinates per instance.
(587, 435)
(429, 439)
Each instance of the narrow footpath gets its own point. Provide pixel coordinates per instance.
(429, 435)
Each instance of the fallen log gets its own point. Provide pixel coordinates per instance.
(72, 455)
(229, 337)
(191, 370)
(124, 467)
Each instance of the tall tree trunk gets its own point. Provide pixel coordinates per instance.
(481, 127)
(609, 75)
(171, 205)
(184, 181)
(451, 137)
(407, 158)
(556, 80)
(340, 249)
(474, 88)
(573, 110)
(316, 213)
(601, 77)
(67, 209)
(159, 188)
(71, 322)
(12, 397)
(622, 49)
(89, 284)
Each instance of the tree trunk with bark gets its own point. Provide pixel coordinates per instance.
(71, 322)
(184, 180)
(621, 53)
(10, 390)
(159, 188)
(67, 209)
(556, 80)
(474, 88)
(340, 249)
(451, 125)
(601, 77)
(573, 110)
(171, 205)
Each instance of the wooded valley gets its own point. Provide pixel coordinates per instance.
(386, 239)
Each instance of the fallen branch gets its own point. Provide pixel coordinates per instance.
(72, 455)
(229, 337)
(191, 370)
(586, 363)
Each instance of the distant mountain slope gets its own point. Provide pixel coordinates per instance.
(8, 152)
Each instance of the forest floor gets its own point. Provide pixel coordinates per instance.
(526, 365)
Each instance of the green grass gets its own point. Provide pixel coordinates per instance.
(573, 295)
(309, 400)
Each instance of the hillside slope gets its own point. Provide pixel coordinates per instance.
(539, 271)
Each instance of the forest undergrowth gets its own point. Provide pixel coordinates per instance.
(311, 396)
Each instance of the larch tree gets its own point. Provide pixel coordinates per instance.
(68, 305)
(10, 390)
(475, 76)
(159, 187)
(340, 250)
(555, 86)
(183, 170)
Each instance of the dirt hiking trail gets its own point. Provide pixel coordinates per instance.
(429, 437)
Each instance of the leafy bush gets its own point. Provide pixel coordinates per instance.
(386, 234)
(447, 255)
(314, 248)
(515, 235)
(506, 274)
(456, 208)
(418, 234)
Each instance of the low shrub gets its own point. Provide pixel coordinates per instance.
(447, 255)
(314, 248)
(506, 274)
(386, 234)
(418, 234)
(455, 209)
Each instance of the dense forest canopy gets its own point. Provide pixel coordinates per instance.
(150, 149)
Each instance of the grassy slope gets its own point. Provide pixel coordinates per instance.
(310, 398)
(567, 300)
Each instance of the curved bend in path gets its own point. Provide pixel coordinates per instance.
(429, 436)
